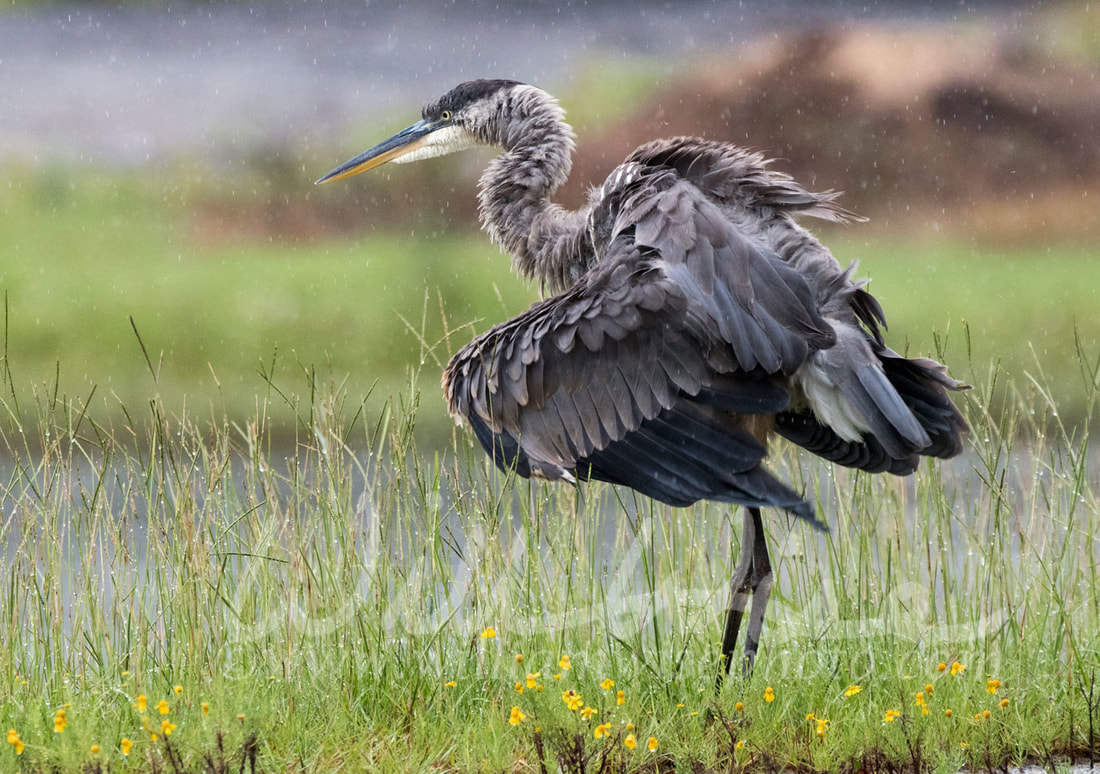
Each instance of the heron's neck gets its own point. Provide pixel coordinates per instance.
(546, 241)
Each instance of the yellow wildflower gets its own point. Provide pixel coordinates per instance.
(740, 744)
(630, 728)
(572, 699)
(488, 633)
(177, 689)
(620, 697)
(140, 702)
(12, 735)
(891, 716)
(947, 713)
(928, 688)
(167, 727)
(920, 699)
(991, 686)
(679, 706)
(769, 694)
(607, 684)
(532, 679)
(588, 712)
(957, 668)
(519, 659)
(240, 717)
(557, 676)
(941, 667)
(205, 707)
(1004, 703)
(851, 691)
(163, 708)
(651, 743)
(59, 722)
(822, 724)
(630, 742)
(450, 684)
(516, 717)
(739, 706)
(95, 749)
(125, 745)
(519, 687)
(564, 663)
(602, 730)
(986, 714)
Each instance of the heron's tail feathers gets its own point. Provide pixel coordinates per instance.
(902, 404)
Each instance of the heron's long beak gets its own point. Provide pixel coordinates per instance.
(405, 141)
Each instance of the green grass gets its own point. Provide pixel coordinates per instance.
(83, 257)
(322, 596)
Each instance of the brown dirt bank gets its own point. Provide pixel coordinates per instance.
(924, 128)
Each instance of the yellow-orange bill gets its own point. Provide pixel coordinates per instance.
(405, 141)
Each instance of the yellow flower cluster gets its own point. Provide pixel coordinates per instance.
(15, 741)
(574, 701)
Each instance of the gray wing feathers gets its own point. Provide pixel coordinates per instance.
(678, 306)
(641, 372)
(892, 423)
(756, 302)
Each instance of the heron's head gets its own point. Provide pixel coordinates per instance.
(483, 112)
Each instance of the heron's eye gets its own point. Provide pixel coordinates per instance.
(445, 115)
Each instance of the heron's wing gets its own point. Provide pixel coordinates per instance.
(906, 404)
(642, 373)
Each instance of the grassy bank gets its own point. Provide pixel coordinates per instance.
(355, 602)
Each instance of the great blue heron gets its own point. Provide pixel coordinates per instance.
(692, 319)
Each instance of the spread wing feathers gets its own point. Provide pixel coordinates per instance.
(756, 302)
(904, 401)
(690, 452)
(804, 429)
(922, 384)
(682, 319)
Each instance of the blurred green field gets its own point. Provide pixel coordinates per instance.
(84, 252)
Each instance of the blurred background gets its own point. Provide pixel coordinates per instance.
(160, 233)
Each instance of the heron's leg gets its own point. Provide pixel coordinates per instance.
(740, 589)
(752, 577)
(761, 580)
